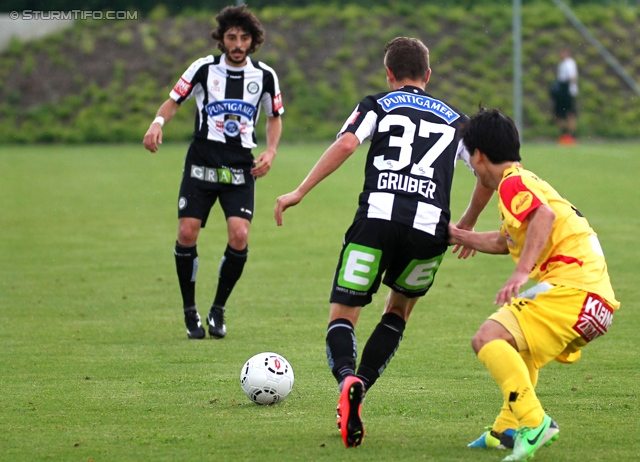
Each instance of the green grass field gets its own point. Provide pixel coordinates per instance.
(95, 363)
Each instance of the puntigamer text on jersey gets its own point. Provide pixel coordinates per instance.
(398, 99)
(231, 106)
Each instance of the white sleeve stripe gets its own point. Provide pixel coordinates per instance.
(367, 126)
(365, 129)
(463, 154)
(348, 122)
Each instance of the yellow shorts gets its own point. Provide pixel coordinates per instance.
(554, 322)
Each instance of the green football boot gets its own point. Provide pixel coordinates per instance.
(529, 440)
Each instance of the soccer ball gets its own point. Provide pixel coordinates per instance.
(266, 378)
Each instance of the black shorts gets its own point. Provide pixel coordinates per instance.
(409, 259)
(214, 170)
(564, 101)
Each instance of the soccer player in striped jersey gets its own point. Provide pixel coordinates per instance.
(400, 226)
(571, 304)
(229, 91)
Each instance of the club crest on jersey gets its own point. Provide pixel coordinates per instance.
(253, 88)
(235, 107)
(398, 99)
(231, 127)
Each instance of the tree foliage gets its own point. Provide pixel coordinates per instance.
(104, 80)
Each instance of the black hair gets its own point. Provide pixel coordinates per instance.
(238, 16)
(494, 134)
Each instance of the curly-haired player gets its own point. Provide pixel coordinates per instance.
(229, 90)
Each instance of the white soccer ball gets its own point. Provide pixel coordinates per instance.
(266, 378)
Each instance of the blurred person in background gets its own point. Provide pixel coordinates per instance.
(564, 93)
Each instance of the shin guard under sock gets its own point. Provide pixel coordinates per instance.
(341, 349)
(187, 267)
(510, 372)
(230, 271)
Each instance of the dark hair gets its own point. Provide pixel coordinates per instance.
(408, 58)
(494, 134)
(238, 16)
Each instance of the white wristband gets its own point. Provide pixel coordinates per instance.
(159, 120)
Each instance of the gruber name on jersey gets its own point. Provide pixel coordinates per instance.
(400, 182)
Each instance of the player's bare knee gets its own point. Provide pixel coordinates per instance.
(485, 334)
(401, 311)
(477, 342)
(238, 239)
(399, 305)
(187, 235)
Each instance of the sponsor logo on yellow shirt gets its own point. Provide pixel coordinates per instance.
(521, 202)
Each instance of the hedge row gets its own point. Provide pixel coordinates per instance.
(103, 80)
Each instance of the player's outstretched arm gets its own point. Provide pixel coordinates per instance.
(487, 242)
(330, 161)
(538, 233)
(153, 137)
(479, 200)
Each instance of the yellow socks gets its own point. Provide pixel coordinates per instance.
(511, 372)
(533, 371)
(506, 419)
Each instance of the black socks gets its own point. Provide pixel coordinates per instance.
(380, 348)
(230, 271)
(341, 349)
(187, 267)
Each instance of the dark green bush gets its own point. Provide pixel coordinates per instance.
(327, 58)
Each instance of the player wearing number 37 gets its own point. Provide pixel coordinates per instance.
(571, 304)
(399, 233)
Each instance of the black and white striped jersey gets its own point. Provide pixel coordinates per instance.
(411, 160)
(229, 98)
